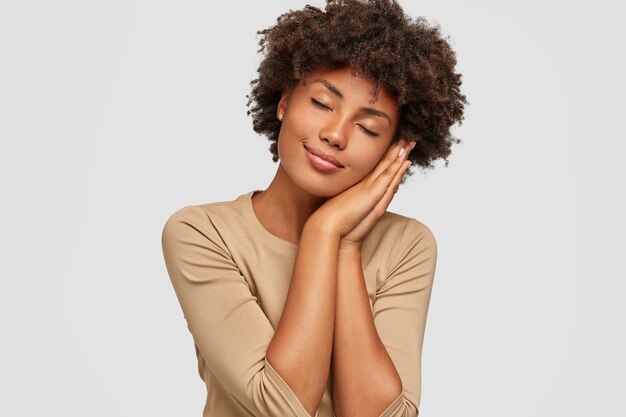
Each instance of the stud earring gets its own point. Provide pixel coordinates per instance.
(280, 116)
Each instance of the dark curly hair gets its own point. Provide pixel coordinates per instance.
(381, 43)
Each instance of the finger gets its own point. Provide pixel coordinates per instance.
(389, 158)
(387, 176)
(393, 187)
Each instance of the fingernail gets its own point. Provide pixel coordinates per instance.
(412, 144)
(401, 152)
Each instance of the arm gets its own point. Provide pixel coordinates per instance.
(231, 331)
(359, 356)
(399, 317)
(310, 307)
(301, 348)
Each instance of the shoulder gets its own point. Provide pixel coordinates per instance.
(414, 257)
(186, 216)
(191, 231)
(407, 229)
(204, 217)
(413, 238)
(396, 236)
(190, 212)
(185, 225)
(417, 231)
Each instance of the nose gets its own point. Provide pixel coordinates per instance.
(333, 132)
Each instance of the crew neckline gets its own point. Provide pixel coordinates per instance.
(276, 242)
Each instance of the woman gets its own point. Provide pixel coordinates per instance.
(309, 298)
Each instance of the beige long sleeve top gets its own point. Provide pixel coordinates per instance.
(231, 277)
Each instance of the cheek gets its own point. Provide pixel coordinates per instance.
(290, 135)
(366, 160)
(301, 125)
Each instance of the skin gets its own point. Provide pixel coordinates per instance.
(326, 323)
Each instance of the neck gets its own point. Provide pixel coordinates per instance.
(283, 208)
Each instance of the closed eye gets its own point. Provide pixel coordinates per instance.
(317, 103)
(369, 132)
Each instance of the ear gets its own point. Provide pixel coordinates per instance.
(284, 100)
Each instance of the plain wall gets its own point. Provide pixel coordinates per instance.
(114, 114)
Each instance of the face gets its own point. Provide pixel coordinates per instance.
(332, 115)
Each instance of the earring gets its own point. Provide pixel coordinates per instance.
(280, 116)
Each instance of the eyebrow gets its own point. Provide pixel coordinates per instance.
(367, 110)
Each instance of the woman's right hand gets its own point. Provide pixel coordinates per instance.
(369, 198)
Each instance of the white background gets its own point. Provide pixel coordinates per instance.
(113, 114)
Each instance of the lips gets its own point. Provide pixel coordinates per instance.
(324, 156)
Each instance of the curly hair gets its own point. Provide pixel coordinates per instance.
(381, 43)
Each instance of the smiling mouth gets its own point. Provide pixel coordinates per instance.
(318, 155)
(321, 164)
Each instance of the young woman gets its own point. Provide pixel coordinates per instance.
(309, 298)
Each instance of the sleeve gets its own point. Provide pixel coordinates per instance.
(228, 326)
(400, 312)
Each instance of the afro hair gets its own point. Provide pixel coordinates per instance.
(381, 43)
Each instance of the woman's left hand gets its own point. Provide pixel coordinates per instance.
(354, 238)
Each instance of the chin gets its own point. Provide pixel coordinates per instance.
(322, 188)
(319, 190)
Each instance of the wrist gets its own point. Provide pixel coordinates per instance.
(321, 226)
(350, 248)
